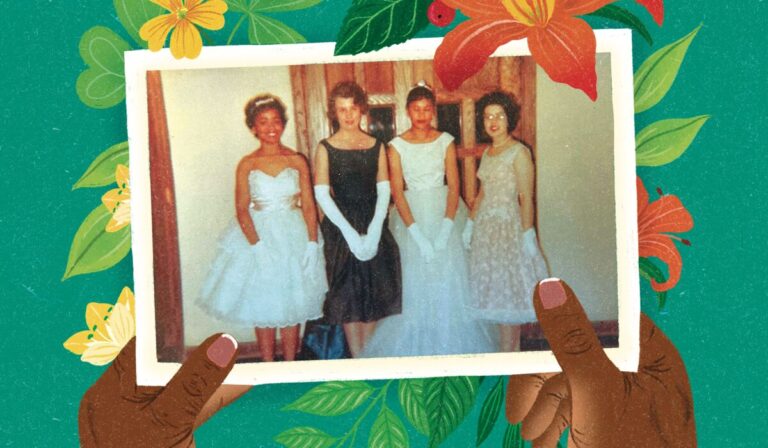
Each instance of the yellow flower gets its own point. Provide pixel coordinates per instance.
(118, 200)
(184, 15)
(110, 327)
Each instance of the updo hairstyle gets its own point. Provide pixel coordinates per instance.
(259, 104)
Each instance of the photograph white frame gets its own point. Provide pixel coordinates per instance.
(151, 372)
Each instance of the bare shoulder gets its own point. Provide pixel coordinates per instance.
(298, 161)
(247, 163)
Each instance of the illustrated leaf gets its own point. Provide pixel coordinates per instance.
(664, 141)
(512, 438)
(101, 172)
(305, 437)
(332, 398)
(272, 5)
(374, 24)
(102, 84)
(448, 400)
(411, 394)
(263, 30)
(625, 17)
(656, 75)
(93, 248)
(135, 13)
(388, 431)
(649, 271)
(489, 413)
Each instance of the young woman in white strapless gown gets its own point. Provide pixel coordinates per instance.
(427, 225)
(269, 271)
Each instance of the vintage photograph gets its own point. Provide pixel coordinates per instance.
(349, 217)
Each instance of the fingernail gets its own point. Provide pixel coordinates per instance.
(551, 293)
(222, 350)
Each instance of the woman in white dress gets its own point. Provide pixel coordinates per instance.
(269, 271)
(505, 262)
(427, 225)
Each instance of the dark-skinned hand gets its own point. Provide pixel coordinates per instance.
(604, 407)
(115, 412)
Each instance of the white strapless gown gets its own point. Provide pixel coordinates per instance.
(434, 320)
(265, 285)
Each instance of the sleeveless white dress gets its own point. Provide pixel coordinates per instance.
(265, 285)
(434, 320)
(503, 276)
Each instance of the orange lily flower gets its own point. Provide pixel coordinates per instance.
(655, 221)
(563, 45)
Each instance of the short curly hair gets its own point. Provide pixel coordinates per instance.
(347, 89)
(507, 101)
(259, 104)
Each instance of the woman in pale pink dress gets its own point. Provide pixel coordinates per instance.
(505, 262)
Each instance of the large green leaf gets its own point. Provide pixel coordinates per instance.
(649, 271)
(93, 248)
(489, 413)
(411, 394)
(374, 24)
(664, 141)
(332, 398)
(272, 5)
(102, 85)
(449, 400)
(263, 30)
(135, 13)
(656, 75)
(305, 437)
(101, 172)
(512, 438)
(625, 17)
(388, 431)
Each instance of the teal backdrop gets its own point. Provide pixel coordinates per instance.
(716, 316)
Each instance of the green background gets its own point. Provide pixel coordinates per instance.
(716, 316)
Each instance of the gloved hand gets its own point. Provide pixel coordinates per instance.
(466, 234)
(441, 241)
(332, 212)
(311, 253)
(425, 247)
(530, 243)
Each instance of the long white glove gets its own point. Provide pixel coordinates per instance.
(311, 253)
(466, 235)
(530, 244)
(332, 212)
(425, 247)
(441, 241)
(372, 237)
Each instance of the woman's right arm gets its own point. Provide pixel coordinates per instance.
(398, 186)
(243, 202)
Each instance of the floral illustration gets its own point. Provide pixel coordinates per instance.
(655, 221)
(110, 327)
(562, 44)
(118, 200)
(182, 22)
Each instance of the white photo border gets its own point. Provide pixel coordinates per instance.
(150, 372)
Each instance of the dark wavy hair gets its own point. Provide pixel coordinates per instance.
(347, 89)
(507, 101)
(420, 93)
(259, 104)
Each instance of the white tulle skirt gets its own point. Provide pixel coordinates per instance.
(434, 319)
(265, 285)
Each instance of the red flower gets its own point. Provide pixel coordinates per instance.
(655, 221)
(563, 45)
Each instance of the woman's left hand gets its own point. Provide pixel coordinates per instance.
(311, 253)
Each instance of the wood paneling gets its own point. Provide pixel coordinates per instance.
(317, 100)
(377, 77)
(527, 126)
(335, 73)
(169, 317)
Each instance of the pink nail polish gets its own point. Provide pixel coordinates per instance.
(551, 293)
(222, 350)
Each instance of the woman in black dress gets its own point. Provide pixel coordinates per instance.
(352, 189)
